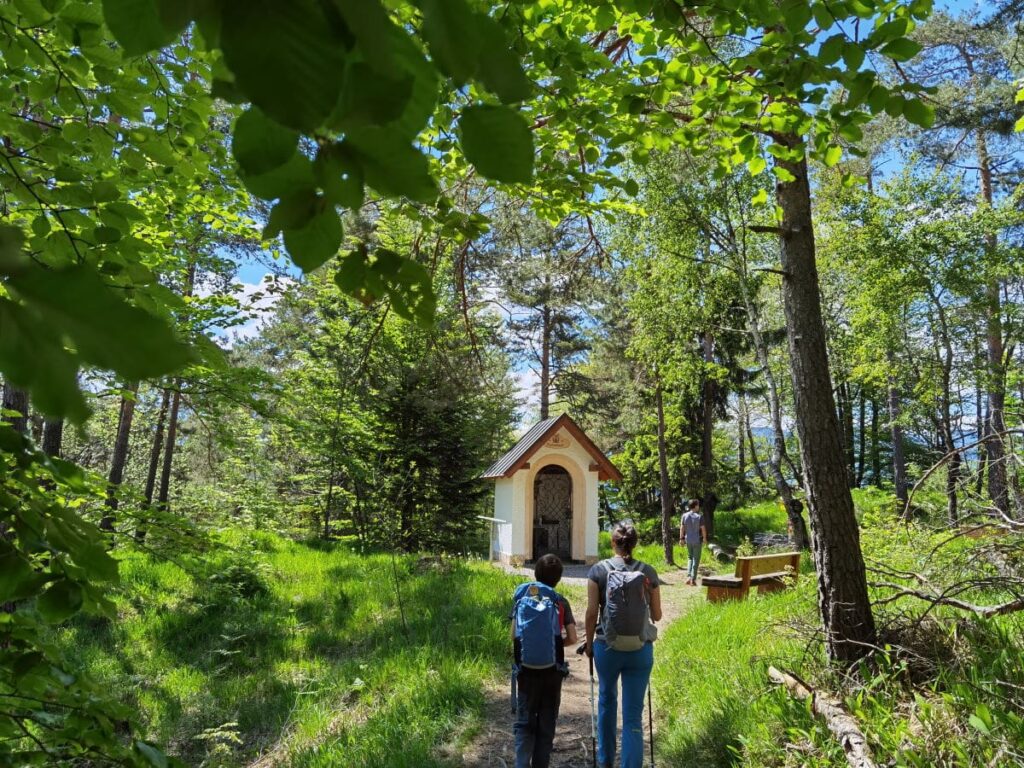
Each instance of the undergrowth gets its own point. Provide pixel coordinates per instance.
(945, 688)
(301, 652)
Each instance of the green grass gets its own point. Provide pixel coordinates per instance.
(301, 649)
(710, 671)
(954, 698)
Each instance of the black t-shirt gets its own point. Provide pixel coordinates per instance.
(599, 575)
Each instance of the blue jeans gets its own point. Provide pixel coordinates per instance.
(634, 667)
(693, 551)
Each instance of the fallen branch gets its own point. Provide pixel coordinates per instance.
(984, 611)
(842, 724)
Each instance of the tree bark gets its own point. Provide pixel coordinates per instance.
(861, 445)
(899, 462)
(842, 724)
(119, 456)
(53, 437)
(843, 601)
(16, 399)
(741, 443)
(997, 486)
(154, 460)
(709, 501)
(876, 451)
(667, 502)
(797, 528)
(545, 363)
(172, 435)
(753, 447)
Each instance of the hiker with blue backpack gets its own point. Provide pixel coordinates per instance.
(539, 616)
(623, 600)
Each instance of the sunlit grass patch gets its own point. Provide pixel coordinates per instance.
(301, 650)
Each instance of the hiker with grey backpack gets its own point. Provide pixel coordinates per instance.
(623, 601)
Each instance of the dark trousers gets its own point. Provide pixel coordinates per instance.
(539, 694)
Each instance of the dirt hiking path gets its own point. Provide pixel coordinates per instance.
(493, 747)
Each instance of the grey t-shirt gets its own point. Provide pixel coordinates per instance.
(599, 575)
(692, 522)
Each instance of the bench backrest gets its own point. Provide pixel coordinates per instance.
(755, 565)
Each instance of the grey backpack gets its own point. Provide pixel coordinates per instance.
(626, 620)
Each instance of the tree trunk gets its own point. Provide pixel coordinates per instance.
(741, 443)
(119, 456)
(849, 626)
(797, 528)
(667, 502)
(16, 399)
(876, 451)
(172, 435)
(846, 414)
(861, 447)
(53, 437)
(979, 481)
(753, 447)
(899, 462)
(545, 364)
(997, 487)
(946, 358)
(709, 500)
(154, 460)
(844, 726)
(952, 485)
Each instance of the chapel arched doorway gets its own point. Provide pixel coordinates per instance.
(552, 513)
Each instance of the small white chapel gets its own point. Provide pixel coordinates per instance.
(545, 495)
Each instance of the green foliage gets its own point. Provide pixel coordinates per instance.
(350, 69)
(498, 143)
(55, 564)
(381, 438)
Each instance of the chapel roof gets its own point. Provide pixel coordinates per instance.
(536, 436)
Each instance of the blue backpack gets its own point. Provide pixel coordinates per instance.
(537, 614)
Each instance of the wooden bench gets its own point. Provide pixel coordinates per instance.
(766, 572)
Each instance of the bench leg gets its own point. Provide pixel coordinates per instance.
(721, 594)
(771, 586)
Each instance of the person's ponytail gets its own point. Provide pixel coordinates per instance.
(624, 538)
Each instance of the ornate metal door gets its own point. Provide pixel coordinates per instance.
(552, 513)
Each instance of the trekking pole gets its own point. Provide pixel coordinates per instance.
(514, 691)
(650, 722)
(593, 712)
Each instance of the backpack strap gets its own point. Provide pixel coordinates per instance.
(559, 642)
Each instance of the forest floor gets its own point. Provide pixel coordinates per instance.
(493, 745)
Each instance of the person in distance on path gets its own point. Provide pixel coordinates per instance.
(694, 535)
